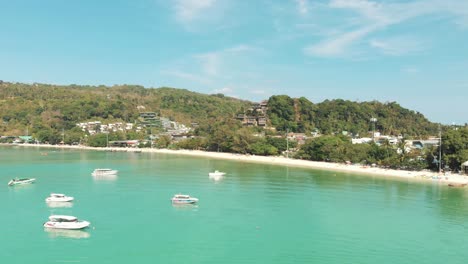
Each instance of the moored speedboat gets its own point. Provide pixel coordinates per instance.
(183, 199)
(216, 173)
(58, 197)
(21, 181)
(65, 222)
(104, 172)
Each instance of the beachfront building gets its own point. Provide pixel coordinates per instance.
(464, 167)
(124, 143)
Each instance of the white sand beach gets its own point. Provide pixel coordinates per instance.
(277, 160)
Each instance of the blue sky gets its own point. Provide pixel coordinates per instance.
(414, 52)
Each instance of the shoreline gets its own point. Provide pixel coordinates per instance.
(278, 160)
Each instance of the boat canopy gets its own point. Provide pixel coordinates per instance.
(62, 218)
(183, 196)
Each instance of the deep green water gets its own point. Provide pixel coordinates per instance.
(256, 214)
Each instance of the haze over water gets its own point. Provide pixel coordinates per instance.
(256, 214)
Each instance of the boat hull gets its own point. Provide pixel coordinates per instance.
(105, 173)
(216, 174)
(184, 201)
(54, 199)
(21, 182)
(67, 225)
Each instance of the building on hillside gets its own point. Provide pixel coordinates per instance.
(150, 119)
(255, 115)
(300, 138)
(361, 140)
(420, 144)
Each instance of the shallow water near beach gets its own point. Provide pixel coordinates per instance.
(257, 213)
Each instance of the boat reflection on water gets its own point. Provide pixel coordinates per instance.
(185, 207)
(216, 175)
(59, 204)
(110, 177)
(64, 233)
(216, 178)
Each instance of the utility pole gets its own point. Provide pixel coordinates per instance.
(63, 136)
(373, 120)
(440, 150)
(287, 143)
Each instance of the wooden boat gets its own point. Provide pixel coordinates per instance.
(457, 184)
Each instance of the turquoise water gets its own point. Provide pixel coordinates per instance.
(257, 214)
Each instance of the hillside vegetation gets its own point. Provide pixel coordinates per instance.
(335, 116)
(43, 106)
(56, 107)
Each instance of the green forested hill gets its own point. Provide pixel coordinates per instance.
(41, 106)
(335, 116)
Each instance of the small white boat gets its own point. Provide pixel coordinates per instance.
(183, 199)
(58, 197)
(216, 173)
(21, 181)
(65, 222)
(104, 172)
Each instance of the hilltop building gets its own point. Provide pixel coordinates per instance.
(255, 115)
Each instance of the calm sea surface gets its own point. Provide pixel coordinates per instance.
(256, 214)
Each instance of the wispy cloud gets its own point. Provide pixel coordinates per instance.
(410, 70)
(258, 92)
(337, 46)
(240, 48)
(368, 9)
(189, 10)
(397, 46)
(375, 16)
(224, 90)
(302, 6)
(218, 68)
(186, 76)
(210, 62)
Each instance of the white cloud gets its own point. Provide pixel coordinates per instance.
(302, 6)
(397, 46)
(189, 10)
(210, 62)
